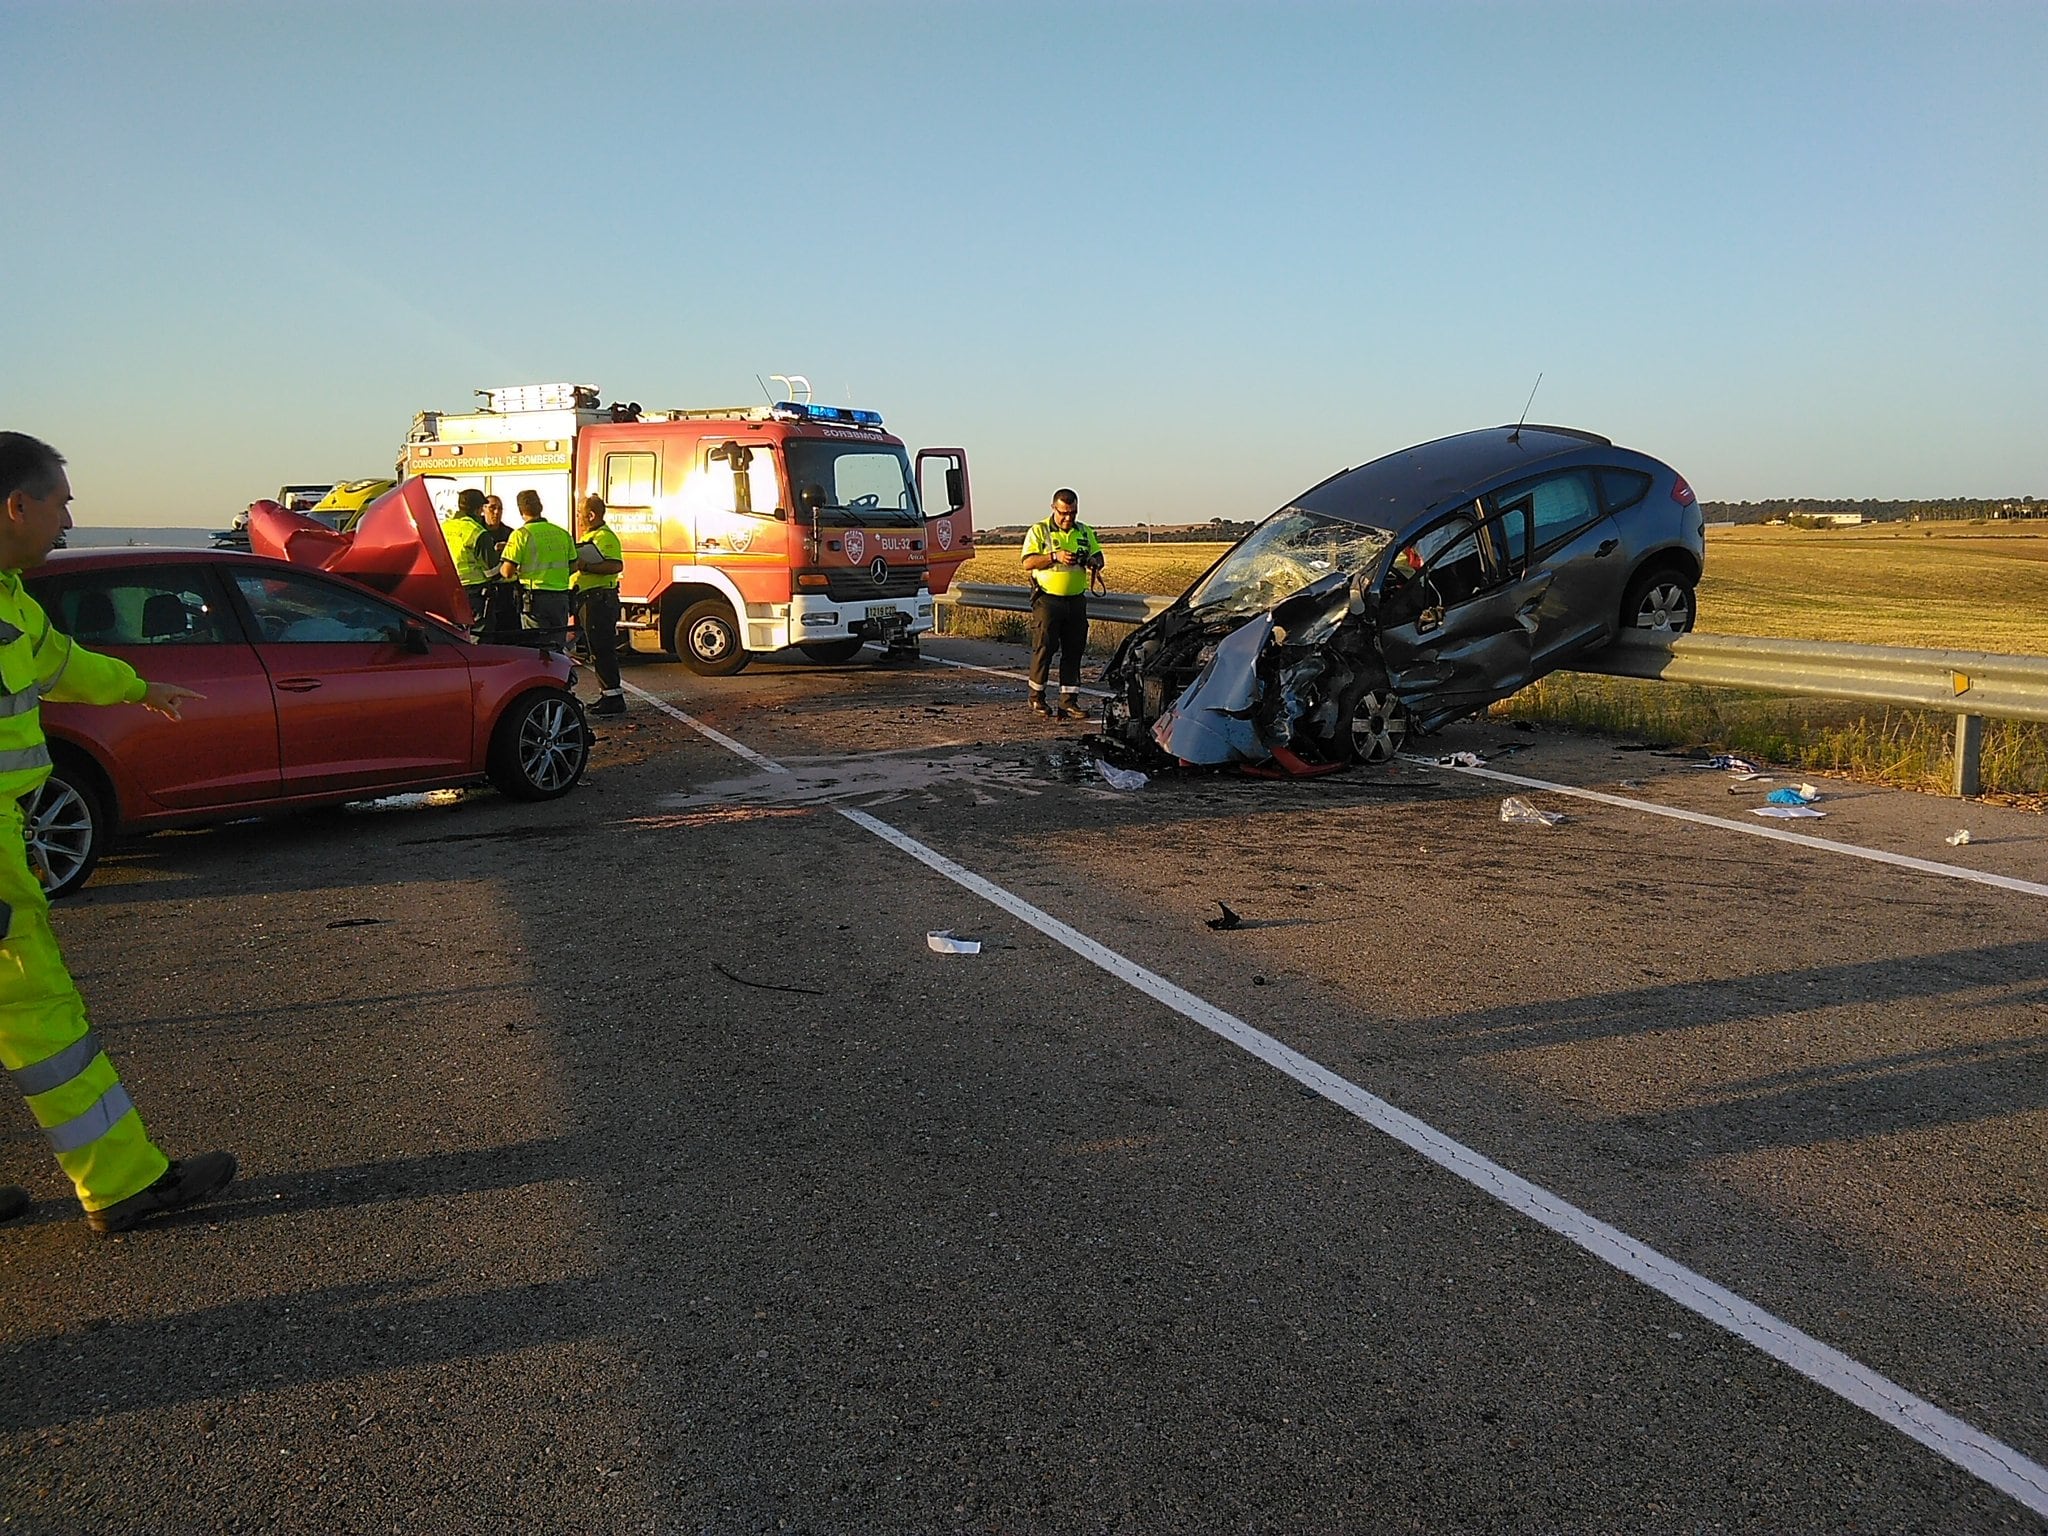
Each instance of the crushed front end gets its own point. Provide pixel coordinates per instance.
(1269, 657)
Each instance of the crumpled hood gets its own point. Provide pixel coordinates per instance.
(1211, 721)
(397, 548)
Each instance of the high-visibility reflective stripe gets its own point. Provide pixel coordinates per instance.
(8, 633)
(55, 1071)
(21, 703)
(84, 1129)
(37, 756)
(65, 666)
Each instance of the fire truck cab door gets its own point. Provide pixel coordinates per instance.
(948, 512)
(741, 520)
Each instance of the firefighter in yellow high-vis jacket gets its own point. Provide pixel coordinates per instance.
(45, 1043)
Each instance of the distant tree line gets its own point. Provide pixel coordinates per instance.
(1798, 509)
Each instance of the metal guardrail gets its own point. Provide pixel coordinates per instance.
(1114, 607)
(1974, 686)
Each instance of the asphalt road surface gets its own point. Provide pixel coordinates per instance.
(634, 1163)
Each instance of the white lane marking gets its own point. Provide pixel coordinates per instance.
(738, 749)
(968, 666)
(1988, 1459)
(1776, 834)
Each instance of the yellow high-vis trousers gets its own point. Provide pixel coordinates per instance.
(49, 1050)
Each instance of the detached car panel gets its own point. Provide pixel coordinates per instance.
(316, 691)
(1412, 590)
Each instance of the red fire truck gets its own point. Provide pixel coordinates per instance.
(745, 528)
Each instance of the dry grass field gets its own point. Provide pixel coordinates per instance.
(1958, 586)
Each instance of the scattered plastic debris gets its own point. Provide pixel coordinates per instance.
(1787, 812)
(1517, 812)
(1961, 837)
(1730, 761)
(944, 943)
(1120, 778)
(1449, 760)
(1229, 919)
(1751, 778)
(1801, 794)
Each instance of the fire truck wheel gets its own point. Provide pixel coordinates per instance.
(829, 651)
(706, 639)
(541, 746)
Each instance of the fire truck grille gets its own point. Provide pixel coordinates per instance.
(853, 586)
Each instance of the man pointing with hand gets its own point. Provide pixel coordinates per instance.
(45, 1043)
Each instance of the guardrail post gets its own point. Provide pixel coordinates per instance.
(1969, 750)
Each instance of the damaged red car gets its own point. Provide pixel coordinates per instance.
(343, 673)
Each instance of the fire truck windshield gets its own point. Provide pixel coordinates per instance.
(853, 485)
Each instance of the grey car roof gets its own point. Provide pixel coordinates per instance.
(1391, 492)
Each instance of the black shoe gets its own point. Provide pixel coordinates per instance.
(610, 704)
(1072, 711)
(13, 1201)
(183, 1184)
(1038, 706)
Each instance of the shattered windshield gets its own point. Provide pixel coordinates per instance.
(1282, 555)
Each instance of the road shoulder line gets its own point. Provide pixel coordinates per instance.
(1775, 834)
(1988, 1459)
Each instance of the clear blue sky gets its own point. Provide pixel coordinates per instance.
(1187, 258)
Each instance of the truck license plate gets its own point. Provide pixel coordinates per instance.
(884, 611)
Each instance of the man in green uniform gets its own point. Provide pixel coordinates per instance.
(45, 1043)
(539, 556)
(465, 532)
(1062, 554)
(599, 559)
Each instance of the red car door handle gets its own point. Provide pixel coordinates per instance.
(298, 684)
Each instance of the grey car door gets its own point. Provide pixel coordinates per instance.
(1578, 543)
(1457, 614)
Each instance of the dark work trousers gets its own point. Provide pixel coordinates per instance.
(545, 622)
(1058, 624)
(597, 621)
(495, 610)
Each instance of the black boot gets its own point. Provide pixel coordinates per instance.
(183, 1184)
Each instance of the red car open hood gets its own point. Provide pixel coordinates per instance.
(397, 548)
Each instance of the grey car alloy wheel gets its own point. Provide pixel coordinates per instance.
(62, 826)
(1379, 726)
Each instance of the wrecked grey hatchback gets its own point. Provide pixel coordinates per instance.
(1408, 592)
